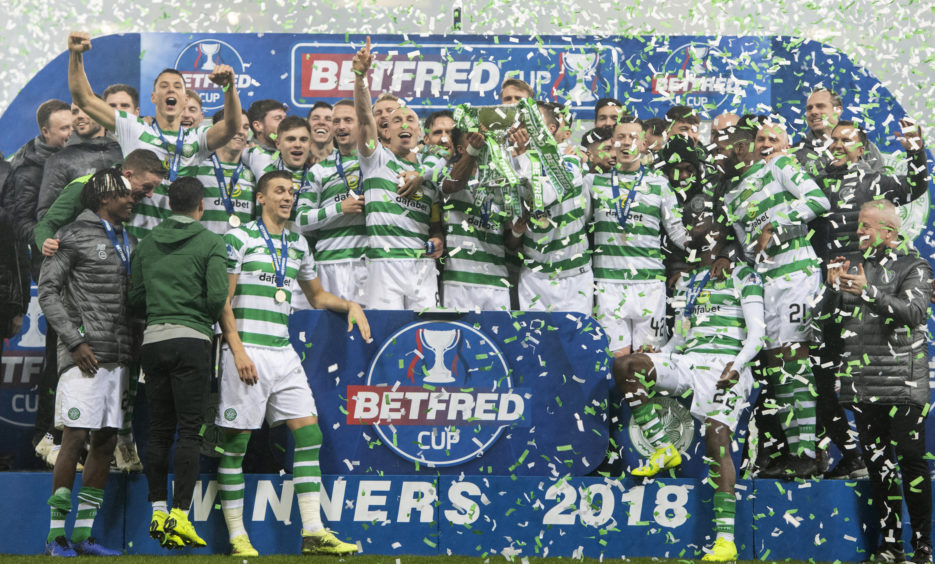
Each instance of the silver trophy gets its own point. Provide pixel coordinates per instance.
(210, 50)
(584, 66)
(440, 342)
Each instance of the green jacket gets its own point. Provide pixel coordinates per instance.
(178, 275)
(65, 210)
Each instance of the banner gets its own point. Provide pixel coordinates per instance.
(493, 393)
(481, 516)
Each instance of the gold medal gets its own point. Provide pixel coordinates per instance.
(233, 221)
(280, 296)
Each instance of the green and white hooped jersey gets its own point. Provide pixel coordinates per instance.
(633, 252)
(474, 253)
(397, 226)
(257, 159)
(717, 324)
(339, 237)
(776, 192)
(561, 246)
(133, 133)
(216, 217)
(261, 321)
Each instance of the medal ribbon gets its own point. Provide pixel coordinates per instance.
(226, 191)
(340, 167)
(123, 251)
(624, 207)
(279, 265)
(693, 293)
(176, 161)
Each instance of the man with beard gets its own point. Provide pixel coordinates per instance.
(320, 121)
(333, 211)
(438, 128)
(264, 117)
(94, 151)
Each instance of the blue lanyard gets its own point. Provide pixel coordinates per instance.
(123, 251)
(624, 208)
(486, 208)
(693, 292)
(282, 166)
(176, 161)
(279, 263)
(340, 166)
(226, 191)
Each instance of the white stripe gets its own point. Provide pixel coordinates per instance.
(306, 480)
(305, 464)
(230, 487)
(314, 447)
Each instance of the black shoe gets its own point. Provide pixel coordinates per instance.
(792, 467)
(805, 467)
(887, 553)
(777, 468)
(922, 555)
(851, 467)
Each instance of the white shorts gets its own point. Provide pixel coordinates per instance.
(282, 391)
(787, 307)
(465, 297)
(83, 401)
(402, 284)
(541, 292)
(632, 313)
(346, 280)
(699, 373)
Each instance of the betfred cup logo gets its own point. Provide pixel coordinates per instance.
(209, 50)
(430, 379)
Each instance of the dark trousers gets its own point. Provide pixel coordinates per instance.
(48, 382)
(178, 373)
(888, 440)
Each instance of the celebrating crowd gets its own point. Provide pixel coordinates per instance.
(164, 246)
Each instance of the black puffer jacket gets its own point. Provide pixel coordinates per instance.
(14, 274)
(885, 358)
(21, 191)
(79, 159)
(850, 187)
(83, 294)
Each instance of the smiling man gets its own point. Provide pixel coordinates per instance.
(320, 121)
(333, 211)
(182, 149)
(93, 151)
(403, 227)
(262, 376)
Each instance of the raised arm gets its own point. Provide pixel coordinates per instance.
(223, 131)
(81, 91)
(367, 142)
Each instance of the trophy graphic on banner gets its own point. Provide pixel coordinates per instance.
(210, 50)
(440, 342)
(699, 59)
(584, 66)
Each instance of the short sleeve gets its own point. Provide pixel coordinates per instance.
(236, 242)
(307, 269)
(127, 129)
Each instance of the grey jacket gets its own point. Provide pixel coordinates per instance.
(885, 358)
(83, 294)
(78, 159)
